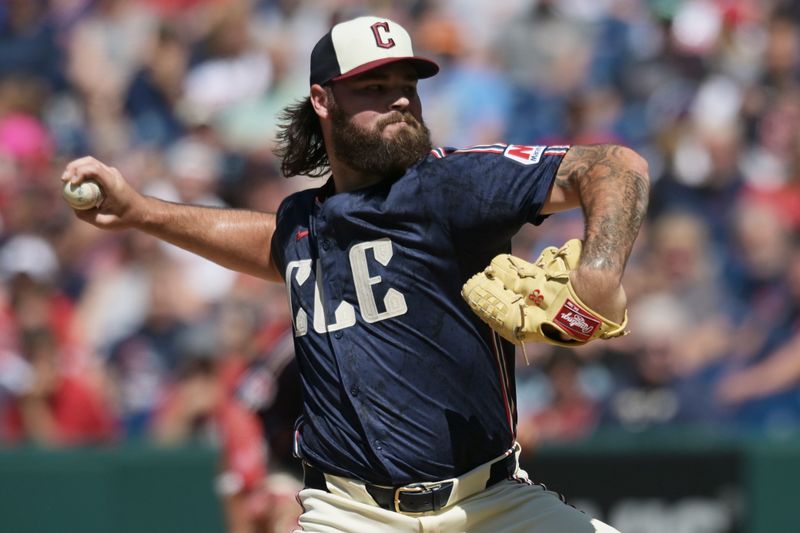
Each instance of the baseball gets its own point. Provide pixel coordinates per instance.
(84, 195)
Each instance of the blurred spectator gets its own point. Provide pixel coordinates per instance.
(198, 407)
(765, 388)
(232, 67)
(124, 271)
(652, 388)
(704, 178)
(257, 368)
(782, 50)
(51, 407)
(142, 363)
(568, 413)
(683, 262)
(25, 140)
(105, 49)
(29, 266)
(156, 89)
(471, 99)
(29, 47)
(195, 164)
(26, 151)
(755, 270)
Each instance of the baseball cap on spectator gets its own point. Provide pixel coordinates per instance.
(25, 138)
(30, 255)
(361, 44)
(190, 158)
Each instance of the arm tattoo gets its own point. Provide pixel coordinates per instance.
(613, 194)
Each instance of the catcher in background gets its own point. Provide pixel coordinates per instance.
(409, 406)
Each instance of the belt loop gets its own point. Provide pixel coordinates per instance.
(313, 478)
(502, 469)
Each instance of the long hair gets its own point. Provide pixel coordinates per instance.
(300, 144)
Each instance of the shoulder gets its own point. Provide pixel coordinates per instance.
(299, 202)
(518, 154)
(445, 162)
(300, 197)
(482, 165)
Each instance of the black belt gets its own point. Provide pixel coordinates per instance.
(417, 497)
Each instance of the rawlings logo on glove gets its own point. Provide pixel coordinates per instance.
(579, 322)
(535, 302)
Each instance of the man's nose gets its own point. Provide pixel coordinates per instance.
(400, 103)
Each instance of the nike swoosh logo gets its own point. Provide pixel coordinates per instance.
(301, 234)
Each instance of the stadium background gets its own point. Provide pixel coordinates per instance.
(162, 370)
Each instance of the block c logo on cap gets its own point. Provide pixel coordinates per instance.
(379, 40)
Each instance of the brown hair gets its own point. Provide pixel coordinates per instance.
(300, 144)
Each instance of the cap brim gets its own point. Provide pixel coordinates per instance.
(425, 67)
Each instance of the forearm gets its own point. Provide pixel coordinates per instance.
(234, 238)
(778, 372)
(612, 185)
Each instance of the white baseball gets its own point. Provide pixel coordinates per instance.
(84, 195)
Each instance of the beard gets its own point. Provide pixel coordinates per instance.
(368, 152)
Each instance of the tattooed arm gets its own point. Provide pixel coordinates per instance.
(611, 185)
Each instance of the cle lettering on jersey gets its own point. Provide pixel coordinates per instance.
(394, 303)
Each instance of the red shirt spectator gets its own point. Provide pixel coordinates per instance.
(200, 407)
(53, 408)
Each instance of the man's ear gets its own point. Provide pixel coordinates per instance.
(320, 101)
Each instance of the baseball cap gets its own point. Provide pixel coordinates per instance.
(361, 44)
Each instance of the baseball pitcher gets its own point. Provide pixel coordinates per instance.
(405, 302)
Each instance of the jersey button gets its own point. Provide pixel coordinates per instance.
(354, 390)
(337, 334)
(326, 244)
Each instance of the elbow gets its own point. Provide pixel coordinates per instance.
(636, 165)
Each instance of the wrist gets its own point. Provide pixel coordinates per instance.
(144, 212)
(601, 290)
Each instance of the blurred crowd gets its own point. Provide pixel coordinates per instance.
(111, 337)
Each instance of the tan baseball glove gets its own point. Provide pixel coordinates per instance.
(535, 302)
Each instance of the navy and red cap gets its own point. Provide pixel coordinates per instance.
(361, 44)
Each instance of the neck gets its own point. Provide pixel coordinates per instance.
(346, 179)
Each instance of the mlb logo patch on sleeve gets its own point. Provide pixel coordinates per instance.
(527, 155)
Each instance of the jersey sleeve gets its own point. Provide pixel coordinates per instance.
(286, 222)
(486, 193)
(276, 248)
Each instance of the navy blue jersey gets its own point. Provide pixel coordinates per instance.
(401, 381)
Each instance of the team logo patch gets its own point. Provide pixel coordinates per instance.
(527, 155)
(379, 39)
(576, 321)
